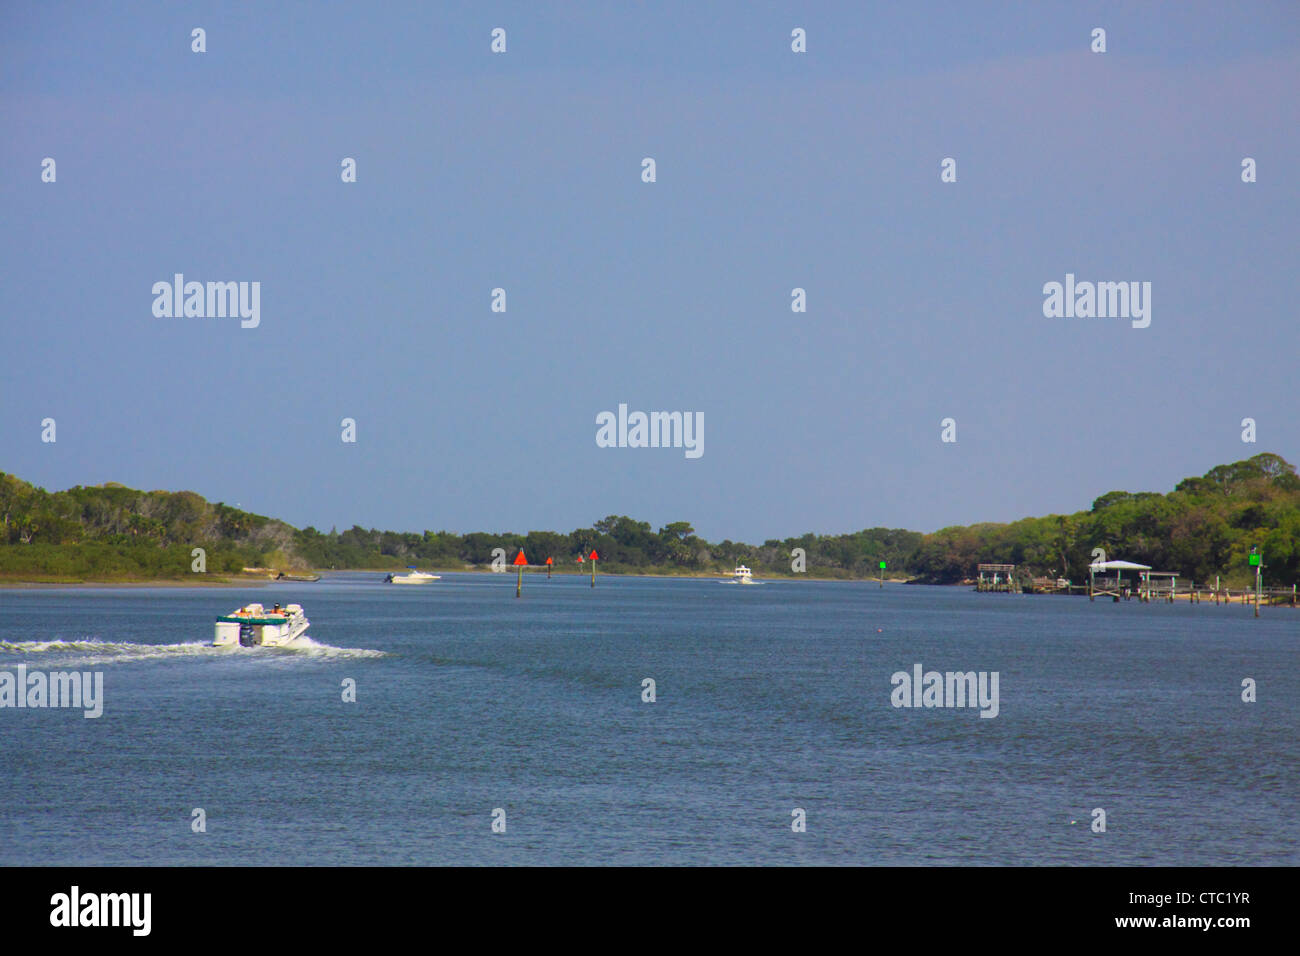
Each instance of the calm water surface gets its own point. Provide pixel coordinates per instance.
(770, 697)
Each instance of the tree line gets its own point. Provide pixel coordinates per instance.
(1205, 526)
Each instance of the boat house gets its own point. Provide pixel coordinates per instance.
(996, 577)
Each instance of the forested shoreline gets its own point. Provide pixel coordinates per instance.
(1205, 527)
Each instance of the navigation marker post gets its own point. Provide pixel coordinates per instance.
(594, 558)
(550, 563)
(882, 574)
(520, 562)
(1257, 562)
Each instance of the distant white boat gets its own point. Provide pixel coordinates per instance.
(742, 575)
(412, 577)
(254, 626)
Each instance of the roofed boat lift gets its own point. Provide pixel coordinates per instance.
(1114, 587)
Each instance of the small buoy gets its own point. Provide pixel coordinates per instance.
(880, 630)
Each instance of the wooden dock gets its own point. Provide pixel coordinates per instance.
(1162, 589)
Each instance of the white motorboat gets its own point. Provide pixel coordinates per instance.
(254, 626)
(412, 577)
(742, 575)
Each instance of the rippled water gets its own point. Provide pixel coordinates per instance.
(769, 698)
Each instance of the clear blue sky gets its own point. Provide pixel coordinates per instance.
(522, 170)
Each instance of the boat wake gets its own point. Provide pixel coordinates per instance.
(90, 651)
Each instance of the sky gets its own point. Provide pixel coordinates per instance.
(522, 170)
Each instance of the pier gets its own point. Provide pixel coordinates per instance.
(1159, 586)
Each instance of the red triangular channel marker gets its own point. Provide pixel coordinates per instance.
(594, 556)
(550, 560)
(519, 558)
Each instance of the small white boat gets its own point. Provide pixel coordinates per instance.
(412, 577)
(742, 575)
(254, 626)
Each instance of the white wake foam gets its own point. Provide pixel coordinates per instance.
(91, 651)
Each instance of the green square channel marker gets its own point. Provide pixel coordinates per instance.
(1254, 560)
(882, 565)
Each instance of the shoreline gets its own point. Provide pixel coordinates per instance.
(158, 583)
(260, 581)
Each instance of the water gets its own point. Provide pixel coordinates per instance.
(769, 698)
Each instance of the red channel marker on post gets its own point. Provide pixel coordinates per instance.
(520, 563)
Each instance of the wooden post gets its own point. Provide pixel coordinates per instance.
(520, 561)
(1216, 590)
(1259, 574)
(1257, 562)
